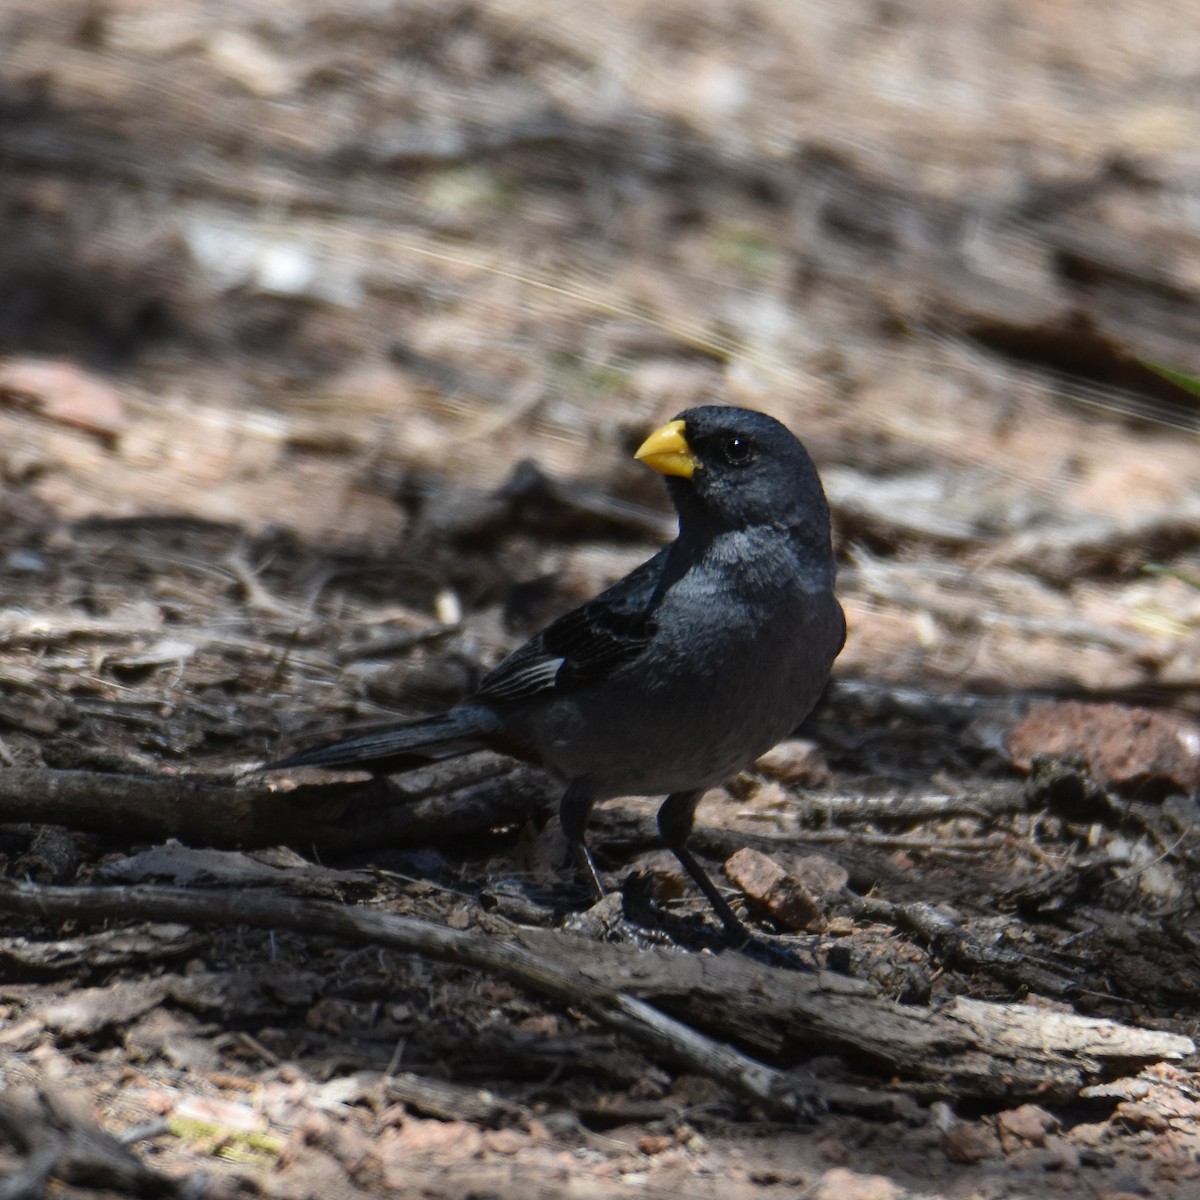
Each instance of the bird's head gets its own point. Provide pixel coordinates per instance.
(732, 468)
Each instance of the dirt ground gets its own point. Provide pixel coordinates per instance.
(326, 336)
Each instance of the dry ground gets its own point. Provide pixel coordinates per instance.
(287, 295)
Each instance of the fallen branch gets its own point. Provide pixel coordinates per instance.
(782, 1094)
(987, 803)
(446, 801)
(955, 946)
(665, 998)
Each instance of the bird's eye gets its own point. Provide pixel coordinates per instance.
(737, 451)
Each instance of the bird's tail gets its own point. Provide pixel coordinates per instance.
(401, 746)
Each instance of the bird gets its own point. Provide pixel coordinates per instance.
(681, 674)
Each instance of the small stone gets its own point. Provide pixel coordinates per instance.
(655, 1143)
(842, 1184)
(505, 1141)
(772, 890)
(966, 1143)
(1025, 1126)
(1128, 748)
(754, 873)
(1140, 1115)
(1090, 1133)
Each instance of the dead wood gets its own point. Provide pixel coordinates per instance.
(452, 1101)
(966, 1050)
(141, 808)
(562, 979)
(954, 946)
(101, 950)
(1000, 799)
(447, 801)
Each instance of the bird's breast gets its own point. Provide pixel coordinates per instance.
(729, 673)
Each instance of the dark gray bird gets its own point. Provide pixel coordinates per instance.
(683, 673)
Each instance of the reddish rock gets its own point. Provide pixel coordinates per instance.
(63, 392)
(1131, 749)
(1025, 1126)
(776, 892)
(654, 1143)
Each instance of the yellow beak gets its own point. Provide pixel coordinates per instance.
(667, 451)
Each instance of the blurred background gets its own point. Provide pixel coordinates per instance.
(334, 269)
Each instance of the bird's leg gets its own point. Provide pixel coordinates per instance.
(675, 819)
(573, 811)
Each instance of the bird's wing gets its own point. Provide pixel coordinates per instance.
(585, 644)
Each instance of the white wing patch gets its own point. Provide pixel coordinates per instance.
(524, 681)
